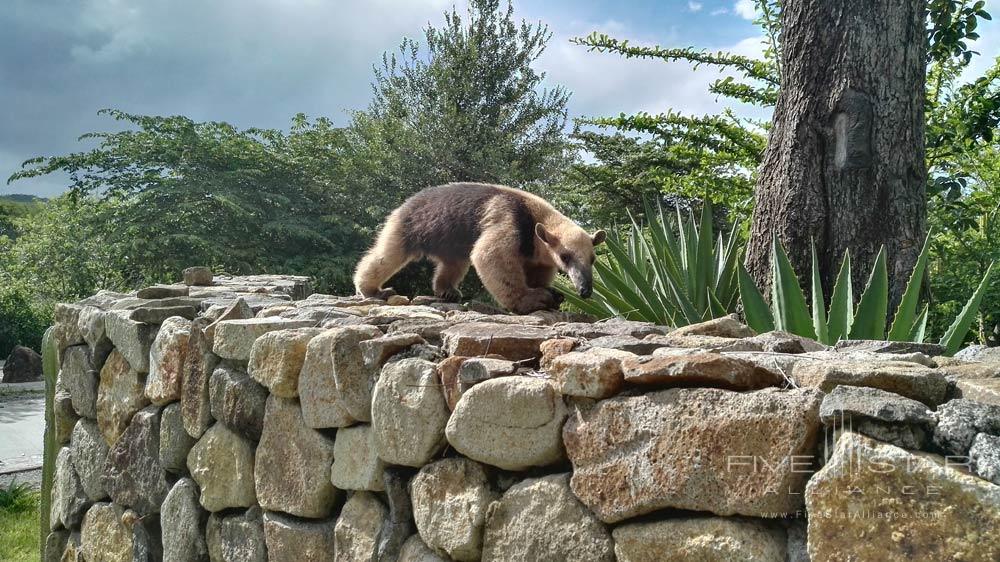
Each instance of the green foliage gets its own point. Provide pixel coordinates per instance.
(22, 320)
(19, 523)
(789, 311)
(16, 496)
(671, 273)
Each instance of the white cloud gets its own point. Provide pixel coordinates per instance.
(746, 9)
(695, 6)
(720, 11)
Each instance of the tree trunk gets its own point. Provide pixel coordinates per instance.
(844, 164)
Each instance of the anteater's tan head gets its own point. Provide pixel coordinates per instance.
(571, 249)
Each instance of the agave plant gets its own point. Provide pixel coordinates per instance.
(660, 276)
(789, 312)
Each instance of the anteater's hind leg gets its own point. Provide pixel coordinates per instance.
(383, 261)
(448, 276)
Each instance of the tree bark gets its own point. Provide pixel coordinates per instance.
(844, 164)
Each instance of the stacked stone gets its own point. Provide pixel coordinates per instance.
(242, 419)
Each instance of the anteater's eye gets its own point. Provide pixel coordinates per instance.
(566, 258)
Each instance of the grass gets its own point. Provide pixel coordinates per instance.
(18, 523)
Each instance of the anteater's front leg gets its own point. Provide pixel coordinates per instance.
(502, 270)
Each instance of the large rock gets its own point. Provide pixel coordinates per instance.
(55, 546)
(69, 499)
(183, 523)
(959, 421)
(890, 347)
(198, 367)
(354, 377)
(979, 354)
(409, 413)
(356, 386)
(334, 350)
(238, 401)
(132, 339)
(166, 361)
(66, 325)
(133, 476)
(874, 501)
(986, 391)
(906, 379)
(724, 327)
(509, 341)
(540, 519)
(295, 540)
(451, 498)
(80, 379)
(511, 422)
(699, 539)
(984, 457)
(609, 327)
(234, 339)
(358, 528)
(162, 291)
(886, 416)
(699, 369)
(120, 394)
(236, 309)
(90, 452)
(105, 536)
(198, 275)
(236, 538)
(292, 467)
(356, 464)
(414, 550)
(596, 373)
(704, 343)
(276, 359)
(22, 365)
(222, 463)
(175, 443)
(697, 449)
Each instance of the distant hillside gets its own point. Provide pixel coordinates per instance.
(22, 198)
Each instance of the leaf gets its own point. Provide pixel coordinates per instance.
(919, 328)
(869, 320)
(787, 300)
(818, 306)
(907, 309)
(757, 314)
(841, 315)
(955, 334)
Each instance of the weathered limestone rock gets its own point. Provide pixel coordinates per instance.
(979, 354)
(183, 521)
(295, 540)
(292, 467)
(358, 528)
(506, 340)
(984, 457)
(80, 379)
(699, 539)
(414, 550)
(199, 364)
(959, 421)
(539, 519)
(199, 275)
(609, 327)
(133, 476)
(699, 369)
(550, 349)
(399, 312)
(595, 373)
(69, 499)
(356, 386)
(222, 463)
(623, 343)
(237, 309)
(334, 362)
(120, 394)
(883, 415)
(985, 391)
(427, 328)
(356, 465)
(905, 379)
(237, 538)
(704, 343)
(63, 415)
(162, 291)
(778, 341)
(175, 443)
(447, 372)
(409, 413)
(90, 452)
(132, 339)
(890, 347)
(697, 449)
(923, 509)
(23, 364)
(478, 369)
(511, 422)
(55, 546)
(724, 327)
(234, 339)
(66, 322)
(160, 314)
(92, 328)
(105, 536)
(238, 401)
(277, 357)
(166, 361)
(450, 501)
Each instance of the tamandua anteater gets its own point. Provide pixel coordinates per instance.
(516, 241)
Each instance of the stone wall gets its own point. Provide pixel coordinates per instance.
(243, 419)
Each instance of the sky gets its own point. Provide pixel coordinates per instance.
(256, 63)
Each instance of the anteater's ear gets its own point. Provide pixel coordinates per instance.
(544, 235)
(598, 237)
